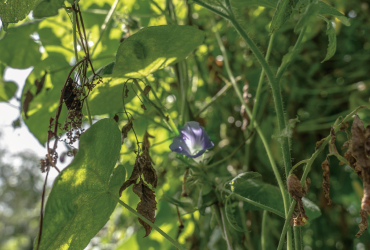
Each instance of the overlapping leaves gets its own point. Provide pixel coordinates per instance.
(80, 204)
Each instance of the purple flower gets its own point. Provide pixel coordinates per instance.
(193, 140)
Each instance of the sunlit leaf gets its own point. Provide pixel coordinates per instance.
(18, 49)
(15, 11)
(47, 8)
(7, 89)
(79, 204)
(155, 47)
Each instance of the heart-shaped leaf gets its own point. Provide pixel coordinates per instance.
(15, 11)
(80, 203)
(153, 48)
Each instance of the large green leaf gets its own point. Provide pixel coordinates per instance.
(325, 9)
(18, 49)
(155, 47)
(79, 204)
(14, 11)
(267, 195)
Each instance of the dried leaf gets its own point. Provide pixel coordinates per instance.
(136, 172)
(344, 126)
(363, 224)
(125, 130)
(147, 89)
(294, 187)
(116, 118)
(26, 102)
(143, 106)
(367, 140)
(319, 143)
(297, 192)
(326, 180)
(147, 204)
(332, 147)
(149, 172)
(40, 83)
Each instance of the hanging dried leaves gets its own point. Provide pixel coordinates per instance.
(326, 180)
(26, 102)
(125, 130)
(149, 172)
(147, 204)
(332, 147)
(363, 224)
(295, 189)
(360, 138)
(136, 172)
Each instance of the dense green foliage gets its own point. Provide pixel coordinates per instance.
(200, 67)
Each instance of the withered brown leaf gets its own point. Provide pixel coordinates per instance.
(146, 89)
(147, 204)
(297, 192)
(125, 130)
(332, 147)
(149, 172)
(363, 224)
(136, 172)
(26, 102)
(326, 180)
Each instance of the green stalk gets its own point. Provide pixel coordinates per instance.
(308, 168)
(247, 236)
(241, 198)
(221, 221)
(174, 242)
(264, 231)
(76, 56)
(278, 106)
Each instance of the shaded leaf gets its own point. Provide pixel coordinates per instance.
(207, 197)
(80, 203)
(7, 90)
(147, 204)
(308, 16)
(282, 14)
(153, 48)
(230, 210)
(47, 8)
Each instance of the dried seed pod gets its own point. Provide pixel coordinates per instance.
(363, 224)
(297, 192)
(326, 180)
(294, 187)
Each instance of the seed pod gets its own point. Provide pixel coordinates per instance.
(294, 187)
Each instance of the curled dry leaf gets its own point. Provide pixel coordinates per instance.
(125, 130)
(359, 140)
(319, 143)
(149, 172)
(363, 224)
(147, 204)
(146, 89)
(136, 172)
(326, 180)
(297, 192)
(40, 83)
(116, 118)
(344, 126)
(350, 159)
(26, 102)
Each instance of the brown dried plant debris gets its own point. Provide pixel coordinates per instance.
(136, 172)
(332, 147)
(297, 192)
(147, 204)
(363, 224)
(326, 180)
(125, 130)
(360, 138)
(26, 102)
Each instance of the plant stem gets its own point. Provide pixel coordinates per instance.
(210, 8)
(297, 238)
(241, 198)
(174, 242)
(247, 236)
(286, 226)
(264, 231)
(223, 225)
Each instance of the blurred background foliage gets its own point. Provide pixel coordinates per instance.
(318, 93)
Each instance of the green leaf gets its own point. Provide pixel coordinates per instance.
(270, 196)
(308, 16)
(187, 206)
(241, 178)
(14, 11)
(282, 14)
(312, 210)
(207, 197)
(47, 8)
(325, 9)
(155, 47)
(231, 218)
(43, 106)
(7, 89)
(18, 49)
(332, 46)
(79, 204)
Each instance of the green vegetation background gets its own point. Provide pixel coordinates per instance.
(317, 93)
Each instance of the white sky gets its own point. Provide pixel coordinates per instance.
(20, 139)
